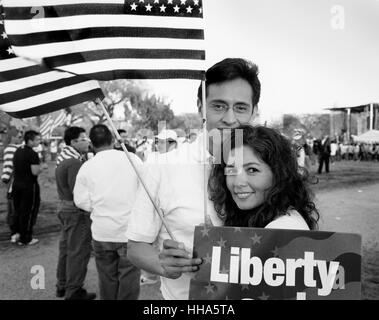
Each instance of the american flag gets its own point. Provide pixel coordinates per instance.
(46, 127)
(114, 39)
(28, 89)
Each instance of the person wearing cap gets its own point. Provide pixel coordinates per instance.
(167, 141)
(232, 95)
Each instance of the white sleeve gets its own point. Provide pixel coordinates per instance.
(144, 223)
(82, 197)
(293, 221)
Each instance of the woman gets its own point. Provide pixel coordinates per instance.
(259, 184)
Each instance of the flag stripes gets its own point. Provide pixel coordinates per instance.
(28, 89)
(106, 40)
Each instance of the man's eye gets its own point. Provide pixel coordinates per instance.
(241, 108)
(218, 107)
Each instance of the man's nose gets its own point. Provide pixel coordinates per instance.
(229, 117)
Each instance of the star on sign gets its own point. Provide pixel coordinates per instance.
(256, 239)
(245, 287)
(275, 252)
(263, 296)
(133, 6)
(148, 7)
(163, 8)
(189, 9)
(205, 231)
(221, 243)
(224, 270)
(237, 229)
(207, 259)
(176, 8)
(209, 288)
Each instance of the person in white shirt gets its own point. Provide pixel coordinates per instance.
(106, 186)
(232, 94)
(258, 184)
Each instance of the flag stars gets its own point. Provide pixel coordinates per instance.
(183, 2)
(133, 6)
(156, 1)
(4, 35)
(221, 243)
(196, 2)
(256, 239)
(170, 1)
(209, 288)
(10, 50)
(176, 9)
(163, 8)
(200, 10)
(189, 9)
(263, 296)
(208, 259)
(143, 1)
(148, 7)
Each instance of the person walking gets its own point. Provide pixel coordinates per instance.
(324, 154)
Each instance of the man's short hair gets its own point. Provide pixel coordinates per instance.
(231, 69)
(100, 136)
(30, 135)
(72, 133)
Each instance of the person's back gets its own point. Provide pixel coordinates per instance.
(112, 183)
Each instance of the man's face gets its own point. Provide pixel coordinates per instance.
(36, 142)
(229, 104)
(124, 137)
(81, 144)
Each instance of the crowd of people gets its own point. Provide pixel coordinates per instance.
(254, 181)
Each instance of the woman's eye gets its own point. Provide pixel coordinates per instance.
(252, 170)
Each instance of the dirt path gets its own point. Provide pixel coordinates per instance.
(353, 210)
(356, 210)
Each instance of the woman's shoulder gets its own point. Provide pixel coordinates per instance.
(291, 220)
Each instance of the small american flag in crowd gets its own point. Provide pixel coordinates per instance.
(28, 89)
(116, 39)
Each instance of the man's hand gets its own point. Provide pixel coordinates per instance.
(175, 260)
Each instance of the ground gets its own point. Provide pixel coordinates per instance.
(347, 198)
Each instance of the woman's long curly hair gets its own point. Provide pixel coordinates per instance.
(289, 191)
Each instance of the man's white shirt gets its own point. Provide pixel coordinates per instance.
(176, 182)
(106, 186)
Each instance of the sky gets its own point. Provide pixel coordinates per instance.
(312, 54)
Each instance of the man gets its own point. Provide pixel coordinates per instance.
(324, 154)
(124, 137)
(232, 94)
(167, 140)
(75, 242)
(106, 186)
(7, 178)
(26, 192)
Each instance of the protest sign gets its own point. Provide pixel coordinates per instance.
(255, 263)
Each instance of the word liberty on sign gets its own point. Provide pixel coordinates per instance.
(252, 263)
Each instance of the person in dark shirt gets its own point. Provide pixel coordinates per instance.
(75, 242)
(124, 137)
(26, 192)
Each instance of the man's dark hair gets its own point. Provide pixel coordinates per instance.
(100, 136)
(121, 131)
(30, 135)
(72, 133)
(231, 69)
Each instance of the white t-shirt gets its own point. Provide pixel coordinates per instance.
(177, 184)
(106, 186)
(292, 220)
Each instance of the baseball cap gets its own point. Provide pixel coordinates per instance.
(167, 135)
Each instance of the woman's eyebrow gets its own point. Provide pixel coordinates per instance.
(251, 163)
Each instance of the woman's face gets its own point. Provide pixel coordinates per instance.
(248, 178)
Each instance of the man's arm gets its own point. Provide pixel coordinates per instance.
(81, 192)
(72, 172)
(171, 262)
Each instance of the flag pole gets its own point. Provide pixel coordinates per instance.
(119, 139)
(207, 220)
